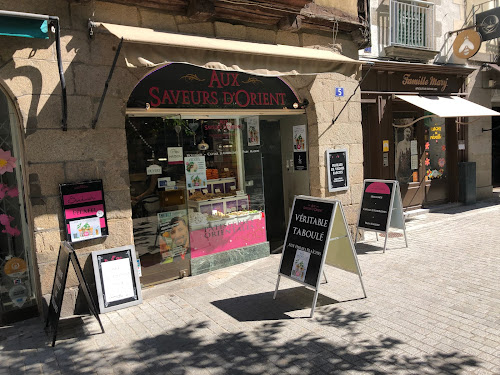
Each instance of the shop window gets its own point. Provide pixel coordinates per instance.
(189, 196)
(16, 291)
(435, 148)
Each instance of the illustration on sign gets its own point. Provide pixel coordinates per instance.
(85, 229)
(488, 24)
(300, 265)
(196, 172)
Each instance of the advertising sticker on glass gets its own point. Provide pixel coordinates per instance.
(196, 172)
(84, 210)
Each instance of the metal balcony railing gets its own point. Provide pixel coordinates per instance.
(412, 24)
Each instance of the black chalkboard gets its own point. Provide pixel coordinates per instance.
(306, 240)
(66, 254)
(376, 205)
(58, 287)
(338, 176)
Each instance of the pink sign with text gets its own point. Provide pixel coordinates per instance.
(79, 198)
(221, 238)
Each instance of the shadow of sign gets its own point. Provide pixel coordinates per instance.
(261, 306)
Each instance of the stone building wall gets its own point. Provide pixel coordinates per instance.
(29, 73)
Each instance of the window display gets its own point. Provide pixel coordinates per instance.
(435, 148)
(15, 272)
(199, 204)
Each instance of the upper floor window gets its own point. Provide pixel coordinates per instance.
(412, 24)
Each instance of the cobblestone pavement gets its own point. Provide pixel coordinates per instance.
(432, 308)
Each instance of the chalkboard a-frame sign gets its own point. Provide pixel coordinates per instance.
(117, 278)
(317, 233)
(381, 208)
(66, 255)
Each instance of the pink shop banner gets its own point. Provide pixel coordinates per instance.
(227, 237)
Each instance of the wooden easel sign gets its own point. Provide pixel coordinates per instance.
(66, 255)
(317, 233)
(381, 208)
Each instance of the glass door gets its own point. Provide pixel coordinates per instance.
(408, 158)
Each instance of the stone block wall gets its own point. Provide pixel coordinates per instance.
(345, 133)
(29, 73)
(479, 142)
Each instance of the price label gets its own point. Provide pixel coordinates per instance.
(233, 187)
(191, 191)
(226, 169)
(217, 190)
(205, 191)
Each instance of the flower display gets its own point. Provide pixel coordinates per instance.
(7, 161)
(8, 191)
(5, 220)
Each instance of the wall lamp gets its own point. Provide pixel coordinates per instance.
(302, 105)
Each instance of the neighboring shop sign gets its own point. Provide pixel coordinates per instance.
(84, 210)
(253, 131)
(300, 147)
(381, 208)
(338, 175)
(423, 82)
(117, 278)
(196, 172)
(66, 255)
(179, 85)
(488, 24)
(466, 44)
(317, 230)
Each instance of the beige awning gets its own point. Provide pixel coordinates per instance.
(448, 106)
(149, 48)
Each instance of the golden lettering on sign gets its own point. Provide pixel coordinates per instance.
(424, 81)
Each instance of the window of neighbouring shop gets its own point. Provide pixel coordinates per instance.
(435, 148)
(16, 291)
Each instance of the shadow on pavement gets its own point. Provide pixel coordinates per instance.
(195, 348)
(368, 248)
(255, 307)
(263, 351)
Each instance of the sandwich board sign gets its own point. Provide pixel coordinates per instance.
(66, 255)
(381, 208)
(317, 233)
(116, 278)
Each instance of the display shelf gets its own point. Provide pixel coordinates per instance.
(224, 204)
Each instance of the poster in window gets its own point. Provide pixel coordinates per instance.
(299, 138)
(253, 131)
(173, 235)
(300, 161)
(196, 172)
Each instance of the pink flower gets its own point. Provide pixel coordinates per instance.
(7, 162)
(5, 220)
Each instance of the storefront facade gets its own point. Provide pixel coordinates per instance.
(423, 156)
(260, 149)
